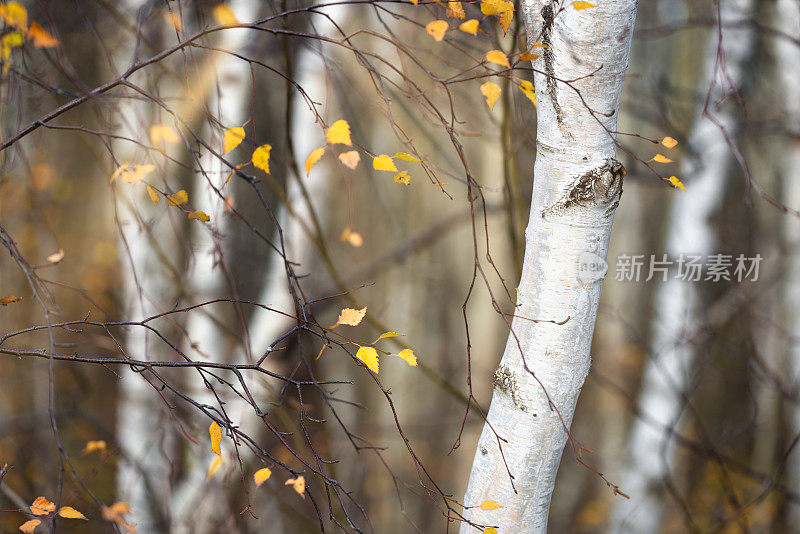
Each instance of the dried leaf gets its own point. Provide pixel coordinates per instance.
(95, 445)
(178, 198)
(384, 163)
(162, 134)
(350, 159)
(498, 58)
(527, 88)
(437, 29)
(10, 299)
(406, 157)
(369, 356)
(408, 356)
(339, 133)
(224, 15)
(488, 506)
(41, 38)
(232, 138)
(299, 485)
(669, 142)
(260, 157)
(56, 256)
(351, 317)
(677, 184)
(68, 512)
(471, 26)
(661, 159)
(42, 506)
(455, 11)
(198, 216)
(154, 198)
(213, 467)
(215, 432)
(492, 92)
(29, 526)
(581, 4)
(313, 158)
(261, 476)
(402, 177)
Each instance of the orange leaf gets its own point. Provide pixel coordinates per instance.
(29, 526)
(40, 37)
(669, 142)
(68, 512)
(42, 506)
(215, 432)
(661, 159)
(527, 56)
(154, 198)
(437, 29)
(163, 134)
(224, 15)
(56, 257)
(492, 92)
(213, 467)
(496, 7)
(488, 506)
(299, 485)
(350, 159)
(14, 14)
(471, 26)
(455, 11)
(581, 4)
(10, 299)
(351, 317)
(354, 238)
(91, 446)
(261, 476)
(498, 58)
(313, 158)
(198, 216)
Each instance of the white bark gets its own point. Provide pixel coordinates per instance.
(668, 372)
(788, 62)
(577, 183)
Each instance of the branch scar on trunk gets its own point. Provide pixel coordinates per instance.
(601, 185)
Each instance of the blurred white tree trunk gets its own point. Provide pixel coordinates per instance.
(668, 372)
(577, 183)
(788, 63)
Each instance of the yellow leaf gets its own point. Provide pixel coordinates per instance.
(669, 142)
(527, 56)
(496, 7)
(384, 163)
(261, 476)
(132, 175)
(215, 432)
(339, 133)
(42, 506)
(40, 37)
(351, 317)
(232, 138)
(174, 20)
(299, 485)
(350, 159)
(260, 157)
(91, 446)
(527, 87)
(29, 526)
(498, 58)
(369, 356)
(213, 467)
(490, 530)
(506, 17)
(488, 506)
(492, 92)
(402, 178)
(68, 512)
(388, 334)
(455, 11)
(471, 26)
(354, 238)
(661, 159)
(313, 158)
(581, 4)
(539, 44)
(224, 15)
(677, 184)
(14, 14)
(153, 195)
(178, 198)
(437, 29)
(406, 157)
(161, 133)
(56, 256)
(198, 216)
(408, 356)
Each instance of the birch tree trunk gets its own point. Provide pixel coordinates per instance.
(668, 372)
(577, 185)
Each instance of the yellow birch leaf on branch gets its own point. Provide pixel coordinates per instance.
(261, 476)
(350, 159)
(213, 467)
(351, 317)
(455, 11)
(437, 29)
(339, 133)
(471, 26)
(68, 512)
(95, 445)
(198, 216)
(354, 238)
(408, 356)
(406, 157)
(581, 4)
(661, 159)
(29, 526)
(498, 58)
(669, 142)
(677, 184)
(215, 432)
(178, 198)
(313, 158)
(41, 38)
(224, 15)
(369, 356)
(402, 177)
(154, 198)
(506, 17)
(527, 56)
(14, 14)
(496, 7)
(384, 163)
(42, 506)
(527, 88)
(387, 334)
(56, 257)
(260, 157)
(163, 134)
(488, 506)
(492, 92)
(490, 530)
(299, 485)
(132, 175)
(232, 138)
